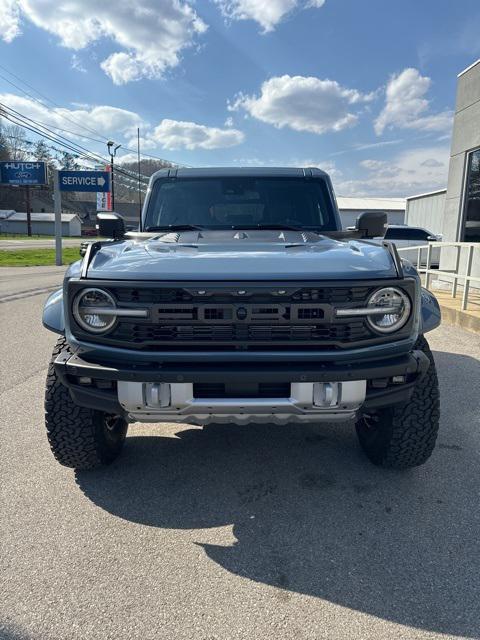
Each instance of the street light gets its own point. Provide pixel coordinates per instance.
(112, 155)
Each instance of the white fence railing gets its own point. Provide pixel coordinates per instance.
(424, 265)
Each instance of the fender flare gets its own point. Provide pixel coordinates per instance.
(431, 316)
(53, 317)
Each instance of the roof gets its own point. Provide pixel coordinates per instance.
(427, 194)
(234, 172)
(371, 204)
(6, 213)
(43, 217)
(474, 64)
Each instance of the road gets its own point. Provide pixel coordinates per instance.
(256, 532)
(45, 243)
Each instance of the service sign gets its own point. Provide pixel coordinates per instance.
(84, 181)
(23, 173)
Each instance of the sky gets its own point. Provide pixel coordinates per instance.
(364, 89)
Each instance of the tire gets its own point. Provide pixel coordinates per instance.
(80, 438)
(404, 436)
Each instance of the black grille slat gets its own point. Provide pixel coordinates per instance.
(153, 333)
(239, 318)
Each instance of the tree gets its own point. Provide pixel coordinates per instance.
(68, 161)
(15, 141)
(41, 152)
(4, 153)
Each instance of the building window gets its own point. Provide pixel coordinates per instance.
(471, 231)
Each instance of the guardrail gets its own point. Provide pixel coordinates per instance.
(454, 274)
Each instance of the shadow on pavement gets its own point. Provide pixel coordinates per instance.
(312, 516)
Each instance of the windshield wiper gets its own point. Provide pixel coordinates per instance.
(177, 227)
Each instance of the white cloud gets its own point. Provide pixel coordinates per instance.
(326, 165)
(407, 107)
(175, 134)
(121, 126)
(268, 13)
(304, 104)
(151, 34)
(9, 20)
(77, 64)
(411, 172)
(102, 118)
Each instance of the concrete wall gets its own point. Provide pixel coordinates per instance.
(465, 138)
(426, 211)
(349, 217)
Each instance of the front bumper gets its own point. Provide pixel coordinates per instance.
(98, 386)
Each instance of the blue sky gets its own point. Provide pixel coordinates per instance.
(362, 88)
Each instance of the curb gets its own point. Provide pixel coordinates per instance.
(460, 319)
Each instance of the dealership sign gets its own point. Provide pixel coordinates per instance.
(84, 181)
(23, 173)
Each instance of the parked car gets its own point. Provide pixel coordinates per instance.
(405, 237)
(241, 300)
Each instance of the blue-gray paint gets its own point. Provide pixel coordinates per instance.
(257, 255)
(53, 313)
(431, 314)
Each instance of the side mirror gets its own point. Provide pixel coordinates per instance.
(432, 239)
(110, 225)
(371, 224)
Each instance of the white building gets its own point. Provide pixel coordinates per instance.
(426, 211)
(351, 208)
(42, 223)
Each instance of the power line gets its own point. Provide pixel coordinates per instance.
(23, 121)
(62, 115)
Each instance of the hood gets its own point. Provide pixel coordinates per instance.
(240, 255)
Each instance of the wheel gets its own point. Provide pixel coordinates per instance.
(79, 437)
(404, 436)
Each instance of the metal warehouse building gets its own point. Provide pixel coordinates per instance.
(42, 223)
(351, 208)
(426, 211)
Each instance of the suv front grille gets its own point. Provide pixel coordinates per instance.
(226, 317)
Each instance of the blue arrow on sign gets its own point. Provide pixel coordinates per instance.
(97, 181)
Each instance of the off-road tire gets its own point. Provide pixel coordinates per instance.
(80, 438)
(404, 436)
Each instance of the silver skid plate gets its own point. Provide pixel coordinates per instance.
(175, 402)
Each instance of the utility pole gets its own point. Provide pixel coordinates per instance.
(139, 181)
(57, 198)
(29, 216)
(112, 154)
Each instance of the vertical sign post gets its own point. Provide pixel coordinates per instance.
(57, 197)
(29, 212)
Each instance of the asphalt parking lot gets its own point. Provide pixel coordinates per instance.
(233, 532)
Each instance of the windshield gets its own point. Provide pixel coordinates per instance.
(219, 203)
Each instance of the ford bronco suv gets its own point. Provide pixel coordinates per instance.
(240, 300)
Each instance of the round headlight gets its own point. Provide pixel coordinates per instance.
(93, 310)
(397, 307)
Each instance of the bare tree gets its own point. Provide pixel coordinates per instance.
(15, 142)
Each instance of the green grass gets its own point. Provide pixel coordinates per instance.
(21, 236)
(37, 257)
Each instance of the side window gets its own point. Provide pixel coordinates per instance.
(393, 233)
(421, 235)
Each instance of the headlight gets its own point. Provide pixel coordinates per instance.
(397, 309)
(92, 310)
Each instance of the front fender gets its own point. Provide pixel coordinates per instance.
(431, 314)
(53, 317)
